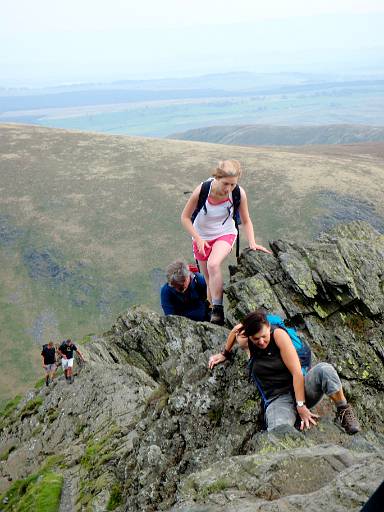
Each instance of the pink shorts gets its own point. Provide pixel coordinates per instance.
(230, 239)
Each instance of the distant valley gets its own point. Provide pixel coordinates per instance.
(159, 108)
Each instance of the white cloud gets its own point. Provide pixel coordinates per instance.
(92, 15)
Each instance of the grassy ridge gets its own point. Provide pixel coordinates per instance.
(88, 222)
(267, 135)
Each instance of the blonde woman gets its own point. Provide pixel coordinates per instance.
(214, 231)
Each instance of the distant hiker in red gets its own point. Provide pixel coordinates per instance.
(211, 216)
(49, 362)
(66, 349)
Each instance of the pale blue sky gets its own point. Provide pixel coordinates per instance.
(51, 42)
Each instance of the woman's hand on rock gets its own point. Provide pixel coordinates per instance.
(216, 359)
(257, 247)
(308, 418)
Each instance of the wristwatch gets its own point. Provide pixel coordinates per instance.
(300, 403)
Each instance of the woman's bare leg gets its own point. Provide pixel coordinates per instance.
(203, 269)
(220, 251)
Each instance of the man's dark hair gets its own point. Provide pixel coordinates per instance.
(253, 322)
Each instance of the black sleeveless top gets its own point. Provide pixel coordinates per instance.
(268, 370)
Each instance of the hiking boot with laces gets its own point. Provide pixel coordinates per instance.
(346, 419)
(217, 315)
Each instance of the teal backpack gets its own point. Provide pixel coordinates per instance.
(302, 349)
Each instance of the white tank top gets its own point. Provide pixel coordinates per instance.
(218, 220)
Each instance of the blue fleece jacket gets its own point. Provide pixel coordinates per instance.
(191, 304)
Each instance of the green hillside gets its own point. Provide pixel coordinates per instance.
(88, 222)
(268, 135)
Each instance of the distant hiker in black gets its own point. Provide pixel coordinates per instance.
(49, 362)
(66, 349)
(211, 216)
(185, 293)
(276, 370)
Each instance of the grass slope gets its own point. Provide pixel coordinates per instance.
(40, 491)
(88, 222)
(268, 135)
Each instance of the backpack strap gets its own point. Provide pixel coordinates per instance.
(236, 198)
(203, 196)
(202, 291)
(255, 380)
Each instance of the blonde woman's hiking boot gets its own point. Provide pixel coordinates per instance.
(217, 315)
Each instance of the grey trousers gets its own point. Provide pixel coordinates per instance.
(321, 380)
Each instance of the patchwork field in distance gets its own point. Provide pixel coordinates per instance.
(180, 106)
(89, 221)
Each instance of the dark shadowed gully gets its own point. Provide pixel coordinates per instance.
(343, 208)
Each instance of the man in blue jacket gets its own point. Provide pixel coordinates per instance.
(185, 293)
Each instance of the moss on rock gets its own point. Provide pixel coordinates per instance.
(40, 491)
(31, 407)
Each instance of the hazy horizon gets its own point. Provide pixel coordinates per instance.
(47, 45)
(345, 75)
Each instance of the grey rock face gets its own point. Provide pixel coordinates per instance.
(333, 289)
(147, 426)
(324, 477)
(79, 428)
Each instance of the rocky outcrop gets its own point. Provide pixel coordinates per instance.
(146, 426)
(333, 289)
(323, 477)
